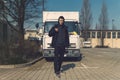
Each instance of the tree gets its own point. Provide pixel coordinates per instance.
(15, 13)
(86, 18)
(103, 22)
(103, 19)
(1, 8)
(18, 11)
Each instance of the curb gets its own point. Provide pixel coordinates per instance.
(20, 65)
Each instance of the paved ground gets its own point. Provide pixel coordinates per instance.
(96, 64)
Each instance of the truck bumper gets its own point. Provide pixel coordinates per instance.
(70, 53)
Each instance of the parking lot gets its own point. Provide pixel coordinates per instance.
(96, 64)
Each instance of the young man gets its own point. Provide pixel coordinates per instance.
(60, 40)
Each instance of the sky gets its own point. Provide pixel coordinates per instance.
(113, 8)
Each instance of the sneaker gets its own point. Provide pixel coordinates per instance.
(58, 75)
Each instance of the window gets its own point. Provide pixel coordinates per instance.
(103, 34)
(93, 34)
(88, 34)
(118, 35)
(113, 34)
(108, 34)
(72, 26)
(98, 34)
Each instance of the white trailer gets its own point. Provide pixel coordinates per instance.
(72, 21)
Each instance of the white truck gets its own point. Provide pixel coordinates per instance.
(50, 18)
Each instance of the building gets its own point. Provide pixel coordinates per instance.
(111, 38)
(32, 33)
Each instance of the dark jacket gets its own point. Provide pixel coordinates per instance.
(54, 35)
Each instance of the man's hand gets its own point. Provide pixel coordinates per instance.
(56, 29)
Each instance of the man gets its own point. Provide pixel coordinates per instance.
(60, 40)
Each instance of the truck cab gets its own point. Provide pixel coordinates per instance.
(74, 36)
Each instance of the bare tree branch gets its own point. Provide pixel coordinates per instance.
(103, 19)
(19, 11)
(86, 18)
(10, 24)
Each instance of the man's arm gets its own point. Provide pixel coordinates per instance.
(53, 31)
(67, 36)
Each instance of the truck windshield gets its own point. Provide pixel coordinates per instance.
(72, 26)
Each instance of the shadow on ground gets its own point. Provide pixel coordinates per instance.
(67, 67)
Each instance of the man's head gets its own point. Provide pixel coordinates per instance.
(61, 20)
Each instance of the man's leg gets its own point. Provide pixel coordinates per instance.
(56, 60)
(62, 50)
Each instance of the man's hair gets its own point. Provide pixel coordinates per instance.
(61, 17)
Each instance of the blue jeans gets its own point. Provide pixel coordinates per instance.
(58, 58)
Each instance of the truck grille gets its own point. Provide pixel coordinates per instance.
(72, 45)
